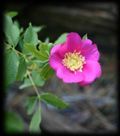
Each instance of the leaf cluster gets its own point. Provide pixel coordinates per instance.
(27, 61)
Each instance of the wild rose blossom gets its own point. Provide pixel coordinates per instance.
(76, 60)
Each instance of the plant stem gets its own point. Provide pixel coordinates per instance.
(17, 52)
(36, 90)
(34, 86)
(20, 54)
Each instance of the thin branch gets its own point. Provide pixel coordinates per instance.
(34, 86)
(20, 53)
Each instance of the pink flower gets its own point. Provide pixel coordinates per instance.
(76, 60)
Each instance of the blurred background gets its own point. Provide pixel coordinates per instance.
(93, 108)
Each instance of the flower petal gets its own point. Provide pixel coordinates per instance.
(55, 61)
(89, 50)
(69, 77)
(86, 42)
(60, 49)
(73, 41)
(91, 70)
(55, 48)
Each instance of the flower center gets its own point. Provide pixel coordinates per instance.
(74, 61)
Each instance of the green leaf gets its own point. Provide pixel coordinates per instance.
(38, 80)
(44, 48)
(27, 83)
(21, 69)
(37, 28)
(12, 31)
(7, 29)
(61, 39)
(11, 66)
(35, 121)
(38, 54)
(17, 23)
(50, 45)
(30, 36)
(85, 37)
(13, 123)
(12, 13)
(46, 71)
(30, 104)
(53, 100)
(47, 40)
(15, 32)
(37, 62)
(20, 45)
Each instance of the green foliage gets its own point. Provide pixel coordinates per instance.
(12, 13)
(38, 54)
(30, 36)
(35, 121)
(47, 40)
(26, 83)
(13, 123)
(21, 69)
(46, 72)
(44, 48)
(11, 66)
(61, 39)
(38, 80)
(85, 37)
(26, 61)
(37, 28)
(53, 100)
(30, 104)
(12, 31)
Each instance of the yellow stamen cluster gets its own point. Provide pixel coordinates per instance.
(74, 61)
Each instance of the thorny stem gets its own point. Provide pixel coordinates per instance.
(33, 84)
